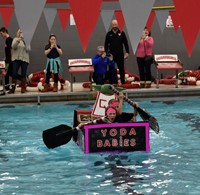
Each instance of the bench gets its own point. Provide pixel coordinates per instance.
(80, 66)
(167, 62)
(2, 69)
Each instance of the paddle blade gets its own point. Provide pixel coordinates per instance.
(153, 123)
(57, 136)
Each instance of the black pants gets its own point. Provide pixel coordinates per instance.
(16, 64)
(144, 67)
(111, 76)
(48, 75)
(8, 74)
(119, 59)
(99, 79)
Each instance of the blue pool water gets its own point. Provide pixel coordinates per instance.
(27, 167)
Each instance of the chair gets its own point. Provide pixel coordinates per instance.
(167, 62)
(80, 66)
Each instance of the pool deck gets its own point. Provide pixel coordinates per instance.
(84, 94)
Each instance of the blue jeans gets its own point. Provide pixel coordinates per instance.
(16, 64)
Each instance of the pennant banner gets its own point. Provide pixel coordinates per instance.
(189, 25)
(28, 13)
(85, 14)
(49, 14)
(162, 16)
(136, 14)
(150, 20)
(107, 16)
(64, 15)
(49, 1)
(175, 20)
(120, 18)
(6, 13)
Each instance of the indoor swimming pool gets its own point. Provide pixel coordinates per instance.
(28, 167)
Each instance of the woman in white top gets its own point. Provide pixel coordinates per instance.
(20, 59)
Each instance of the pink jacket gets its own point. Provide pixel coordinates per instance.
(144, 47)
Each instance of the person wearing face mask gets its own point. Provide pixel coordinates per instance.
(53, 52)
(115, 42)
(104, 67)
(144, 56)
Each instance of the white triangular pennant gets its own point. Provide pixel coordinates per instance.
(28, 13)
(136, 14)
(50, 14)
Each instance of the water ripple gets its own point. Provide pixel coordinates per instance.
(27, 167)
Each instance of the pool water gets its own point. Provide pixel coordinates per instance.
(28, 167)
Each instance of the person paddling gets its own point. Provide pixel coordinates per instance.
(123, 116)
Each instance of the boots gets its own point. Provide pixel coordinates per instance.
(23, 85)
(12, 90)
(148, 84)
(55, 87)
(142, 84)
(45, 88)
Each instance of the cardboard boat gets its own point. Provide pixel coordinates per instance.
(112, 137)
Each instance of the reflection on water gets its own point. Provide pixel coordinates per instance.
(193, 121)
(123, 174)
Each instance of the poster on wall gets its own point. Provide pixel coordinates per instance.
(169, 22)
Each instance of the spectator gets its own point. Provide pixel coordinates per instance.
(115, 42)
(53, 52)
(104, 67)
(8, 51)
(20, 59)
(144, 57)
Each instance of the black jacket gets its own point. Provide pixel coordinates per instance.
(114, 43)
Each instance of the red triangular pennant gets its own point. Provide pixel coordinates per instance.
(120, 18)
(6, 13)
(189, 25)
(150, 19)
(86, 13)
(64, 17)
(175, 20)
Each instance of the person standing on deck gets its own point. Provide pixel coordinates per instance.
(115, 42)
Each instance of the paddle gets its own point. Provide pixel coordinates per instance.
(57, 136)
(144, 115)
(62, 134)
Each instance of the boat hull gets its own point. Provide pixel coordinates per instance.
(112, 137)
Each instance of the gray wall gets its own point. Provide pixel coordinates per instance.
(168, 42)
